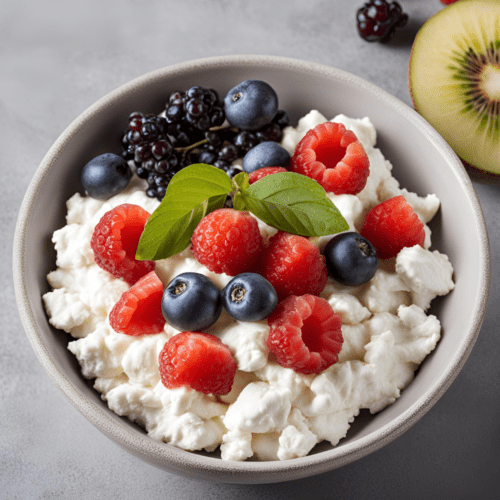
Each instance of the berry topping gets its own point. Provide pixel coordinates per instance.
(199, 361)
(265, 154)
(191, 301)
(146, 143)
(350, 259)
(138, 312)
(262, 172)
(332, 156)
(392, 225)
(227, 241)
(293, 265)
(249, 297)
(115, 239)
(251, 105)
(305, 334)
(377, 20)
(105, 175)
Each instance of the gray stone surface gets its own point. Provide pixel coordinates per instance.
(57, 58)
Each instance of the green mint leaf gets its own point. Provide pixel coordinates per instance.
(192, 193)
(241, 182)
(292, 202)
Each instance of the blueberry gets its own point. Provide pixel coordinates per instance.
(105, 175)
(191, 302)
(265, 154)
(249, 297)
(251, 105)
(350, 259)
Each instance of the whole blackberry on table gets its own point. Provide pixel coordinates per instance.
(377, 20)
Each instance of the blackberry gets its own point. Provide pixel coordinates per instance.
(377, 20)
(198, 108)
(147, 144)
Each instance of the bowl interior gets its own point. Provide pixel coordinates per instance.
(422, 163)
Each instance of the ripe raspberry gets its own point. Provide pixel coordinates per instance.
(114, 242)
(262, 172)
(138, 312)
(305, 334)
(448, 2)
(227, 241)
(197, 360)
(332, 156)
(293, 265)
(392, 225)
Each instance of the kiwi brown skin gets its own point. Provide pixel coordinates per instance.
(434, 39)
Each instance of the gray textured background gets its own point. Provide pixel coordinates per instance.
(57, 58)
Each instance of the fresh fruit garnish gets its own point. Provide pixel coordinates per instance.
(350, 259)
(249, 297)
(199, 361)
(227, 241)
(293, 265)
(115, 240)
(191, 301)
(138, 312)
(191, 132)
(377, 20)
(454, 79)
(105, 175)
(305, 334)
(146, 143)
(262, 172)
(287, 201)
(251, 105)
(197, 108)
(392, 225)
(265, 154)
(448, 2)
(333, 157)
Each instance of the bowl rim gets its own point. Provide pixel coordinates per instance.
(209, 467)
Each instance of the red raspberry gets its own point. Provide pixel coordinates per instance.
(448, 2)
(305, 334)
(262, 172)
(227, 241)
(392, 225)
(115, 239)
(293, 265)
(332, 156)
(197, 360)
(138, 312)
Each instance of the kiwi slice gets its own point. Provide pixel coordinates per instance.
(454, 79)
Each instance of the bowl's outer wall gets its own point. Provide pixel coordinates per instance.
(422, 163)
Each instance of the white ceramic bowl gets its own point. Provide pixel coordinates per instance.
(423, 162)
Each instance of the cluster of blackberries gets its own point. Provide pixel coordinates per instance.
(190, 132)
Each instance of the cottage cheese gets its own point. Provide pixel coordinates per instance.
(271, 413)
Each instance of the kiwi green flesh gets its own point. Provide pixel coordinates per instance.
(454, 79)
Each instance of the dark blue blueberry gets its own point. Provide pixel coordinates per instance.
(249, 297)
(251, 105)
(105, 175)
(265, 154)
(350, 259)
(191, 302)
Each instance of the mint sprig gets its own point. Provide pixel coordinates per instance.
(287, 201)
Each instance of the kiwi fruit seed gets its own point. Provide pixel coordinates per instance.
(454, 79)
